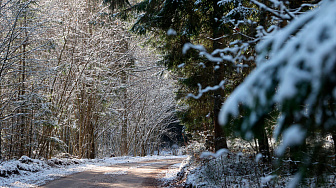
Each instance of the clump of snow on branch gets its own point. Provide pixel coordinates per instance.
(207, 89)
(232, 54)
(279, 10)
(171, 32)
(265, 180)
(181, 65)
(219, 153)
(292, 136)
(188, 46)
(258, 157)
(223, 2)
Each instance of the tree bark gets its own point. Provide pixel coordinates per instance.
(264, 148)
(220, 137)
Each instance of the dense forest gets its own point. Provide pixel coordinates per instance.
(97, 78)
(74, 80)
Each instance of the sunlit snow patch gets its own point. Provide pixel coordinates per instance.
(171, 32)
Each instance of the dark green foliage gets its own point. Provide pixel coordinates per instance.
(198, 22)
(293, 80)
(113, 4)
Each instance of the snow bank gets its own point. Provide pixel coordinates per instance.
(173, 176)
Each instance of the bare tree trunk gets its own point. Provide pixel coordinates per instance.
(22, 90)
(220, 137)
(264, 148)
(93, 147)
(333, 135)
(0, 137)
(31, 134)
(124, 150)
(124, 78)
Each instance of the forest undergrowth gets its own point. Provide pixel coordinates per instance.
(243, 167)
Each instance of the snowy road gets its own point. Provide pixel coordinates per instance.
(135, 174)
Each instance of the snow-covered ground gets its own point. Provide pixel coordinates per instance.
(174, 174)
(28, 172)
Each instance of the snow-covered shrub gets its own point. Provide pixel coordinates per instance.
(175, 177)
(34, 167)
(182, 151)
(243, 170)
(9, 168)
(25, 165)
(64, 155)
(25, 159)
(175, 149)
(63, 161)
(241, 145)
(229, 170)
(195, 149)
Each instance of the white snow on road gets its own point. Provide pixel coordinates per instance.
(116, 173)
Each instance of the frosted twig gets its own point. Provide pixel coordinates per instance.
(209, 88)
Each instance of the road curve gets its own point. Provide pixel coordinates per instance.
(139, 174)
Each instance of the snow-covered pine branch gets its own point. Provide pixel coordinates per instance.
(296, 76)
(300, 53)
(207, 89)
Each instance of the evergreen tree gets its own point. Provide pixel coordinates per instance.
(213, 24)
(296, 76)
